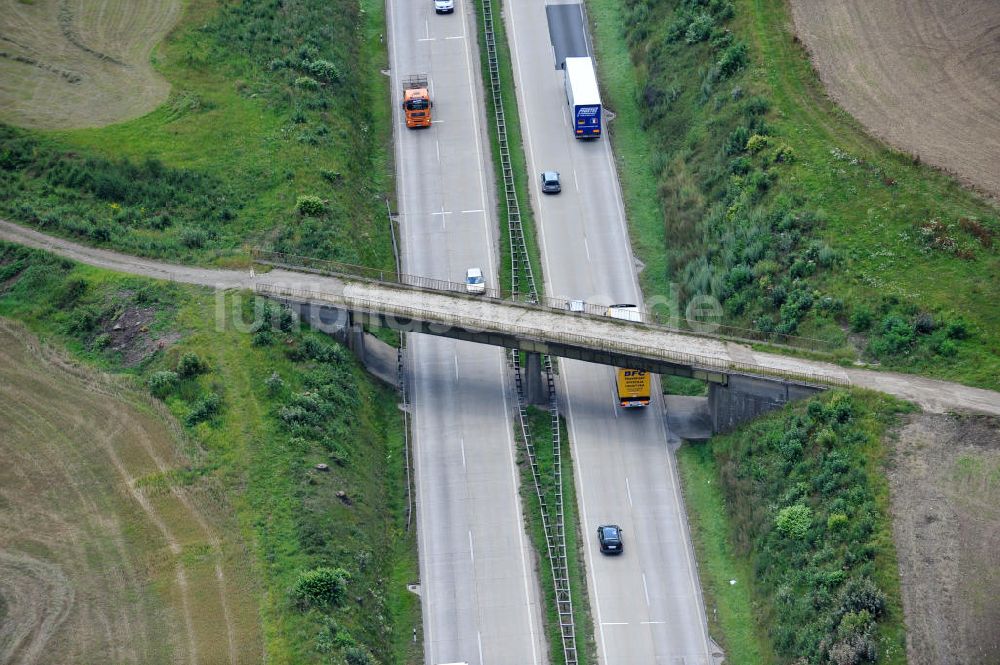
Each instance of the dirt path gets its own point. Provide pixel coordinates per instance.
(66, 64)
(104, 557)
(931, 394)
(923, 75)
(944, 478)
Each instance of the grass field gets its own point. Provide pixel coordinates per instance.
(81, 64)
(743, 181)
(266, 106)
(107, 561)
(261, 409)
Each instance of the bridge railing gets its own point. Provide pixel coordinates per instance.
(529, 334)
(653, 318)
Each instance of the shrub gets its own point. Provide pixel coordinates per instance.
(324, 69)
(836, 522)
(70, 293)
(310, 206)
(263, 338)
(321, 587)
(307, 83)
(794, 521)
(733, 59)
(895, 337)
(699, 29)
(861, 319)
(860, 593)
(756, 143)
(274, 383)
(192, 238)
(203, 409)
(162, 383)
(102, 341)
(190, 365)
(358, 656)
(957, 329)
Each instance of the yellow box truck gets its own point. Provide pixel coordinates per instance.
(632, 385)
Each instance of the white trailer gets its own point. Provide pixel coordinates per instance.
(583, 97)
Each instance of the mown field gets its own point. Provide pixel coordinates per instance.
(262, 404)
(743, 181)
(270, 102)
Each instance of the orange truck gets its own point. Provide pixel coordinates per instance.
(416, 101)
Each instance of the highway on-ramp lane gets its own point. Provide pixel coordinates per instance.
(647, 602)
(479, 594)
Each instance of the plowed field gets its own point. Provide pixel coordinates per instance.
(81, 63)
(106, 554)
(923, 75)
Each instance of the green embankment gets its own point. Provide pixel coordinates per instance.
(794, 508)
(262, 407)
(269, 103)
(743, 181)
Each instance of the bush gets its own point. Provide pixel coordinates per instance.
(263, 338)
(699, 29)
(895, 336)
(310, 206)
(190, 365)
(324, 69)
(733, 59)
(794, 521)
(861, 319)
(162, 383)
(756, 143)
(203, 409)
(101, 341)
(321, 587)
(307, 83)
(274, 383)
(358, 656)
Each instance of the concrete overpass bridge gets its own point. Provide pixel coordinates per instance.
(743, 379)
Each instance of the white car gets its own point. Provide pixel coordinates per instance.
(444, 6)
(474, 282)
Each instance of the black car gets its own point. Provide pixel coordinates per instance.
(610, 537)
(550, 182)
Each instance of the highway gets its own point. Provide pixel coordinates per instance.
(479, 592)
(647, 602)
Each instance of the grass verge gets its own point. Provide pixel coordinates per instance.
(264, 402)
(742, 181)
(794, 507)
(541, 431)
(732, 619)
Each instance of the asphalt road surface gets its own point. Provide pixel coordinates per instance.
(479, 592)
(647, 602)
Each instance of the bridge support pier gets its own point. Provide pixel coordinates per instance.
(535, 392)
(355, 337)
(744, 398)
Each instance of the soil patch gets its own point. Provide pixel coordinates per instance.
(945, 487)
(130, 336)
(81, 63)
(920, 74)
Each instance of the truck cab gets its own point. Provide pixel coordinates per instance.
(416, 101)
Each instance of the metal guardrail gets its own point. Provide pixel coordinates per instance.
(407, 313)
(575, 307)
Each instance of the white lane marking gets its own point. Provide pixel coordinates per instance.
(427, 28)
(586, 246)
(463, 452)
(472, 550)
(566, 117)
(466, 212)
(437, 122)
(628, 495)
(456, 366)
(441, 212)
(645, 588)
(525, 575)
(437, 148)
(458, 37)
(578, 469)
(576, 180)
(479, 638)
(427, 39)
(652, 623)
(614, 623)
